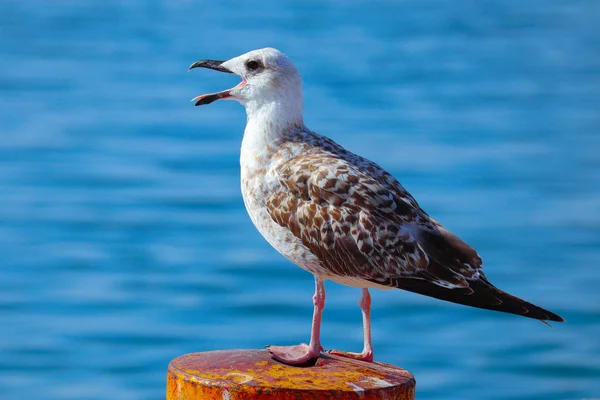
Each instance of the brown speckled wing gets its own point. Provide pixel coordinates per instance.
(360, 222)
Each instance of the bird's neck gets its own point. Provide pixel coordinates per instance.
(268, 125)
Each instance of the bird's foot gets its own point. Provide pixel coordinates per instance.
(364, 356)
(294, 355)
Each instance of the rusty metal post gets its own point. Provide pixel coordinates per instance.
(254, 375)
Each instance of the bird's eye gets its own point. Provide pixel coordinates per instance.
(252, 65)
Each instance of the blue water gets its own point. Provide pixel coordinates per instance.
(123, 237)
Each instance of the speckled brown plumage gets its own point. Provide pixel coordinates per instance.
(363, 226)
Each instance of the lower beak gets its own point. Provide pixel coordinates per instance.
(209, 98)
(217, 66)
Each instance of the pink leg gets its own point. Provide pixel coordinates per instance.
(367, 353)
(303, 353)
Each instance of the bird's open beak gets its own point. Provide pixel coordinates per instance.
(217, 66)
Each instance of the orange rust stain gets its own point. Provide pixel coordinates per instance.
(253, 375)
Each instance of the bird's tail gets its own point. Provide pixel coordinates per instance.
(481, 294)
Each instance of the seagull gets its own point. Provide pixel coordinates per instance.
(338, 215)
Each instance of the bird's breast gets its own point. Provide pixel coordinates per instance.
(257, 186)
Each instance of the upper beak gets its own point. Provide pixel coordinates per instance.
(218, 66)
(211, 64)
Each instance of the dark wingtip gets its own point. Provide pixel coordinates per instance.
(480, 294)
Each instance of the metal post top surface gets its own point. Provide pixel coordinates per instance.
(253, 374)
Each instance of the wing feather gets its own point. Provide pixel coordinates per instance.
(362, 224)
(353, 222)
